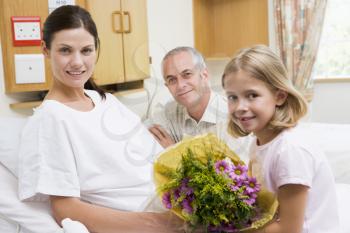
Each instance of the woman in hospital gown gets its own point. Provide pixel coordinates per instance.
(82, 149)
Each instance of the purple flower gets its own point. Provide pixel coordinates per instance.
(239, 172)
(222, 228)
(186, 205)
(190, 197)
(236, 184)
(177, 193)
(184, 188)
(166, 199)
(250, 200)
(222, 166)
(185, 181)
(252, 185)
(229, 228)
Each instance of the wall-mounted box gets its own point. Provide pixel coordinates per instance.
(26, 30)
(30, 68)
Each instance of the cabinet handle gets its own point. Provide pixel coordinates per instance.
(127, 13)
(114, 28)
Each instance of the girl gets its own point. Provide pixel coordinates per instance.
(82, 149)
(263, 101)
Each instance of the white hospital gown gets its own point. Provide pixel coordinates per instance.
(103, 156)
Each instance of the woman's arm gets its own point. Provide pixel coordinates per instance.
(292, 203)
(104, 220)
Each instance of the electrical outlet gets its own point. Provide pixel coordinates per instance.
(26, 30)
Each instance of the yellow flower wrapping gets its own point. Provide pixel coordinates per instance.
(170, 159)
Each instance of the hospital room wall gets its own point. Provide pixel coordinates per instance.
(176, 28)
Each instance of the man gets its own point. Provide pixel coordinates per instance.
(196, 109)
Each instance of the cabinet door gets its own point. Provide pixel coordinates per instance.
(136, 55)
(107, 16)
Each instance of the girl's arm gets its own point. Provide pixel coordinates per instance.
(292, 203)
(104, 220)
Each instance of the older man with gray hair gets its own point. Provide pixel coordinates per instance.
(196, 109)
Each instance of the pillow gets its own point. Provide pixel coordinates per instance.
(10, 133)
(343, 195)
(31, 216)
(334, 140)
(7, 226)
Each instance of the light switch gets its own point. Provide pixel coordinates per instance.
(29, 68)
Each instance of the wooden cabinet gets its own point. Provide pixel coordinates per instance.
(122, 27)
(224, 26)
(21, 8)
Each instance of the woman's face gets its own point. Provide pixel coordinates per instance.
(72, 56)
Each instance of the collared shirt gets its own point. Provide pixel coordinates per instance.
(175, 119)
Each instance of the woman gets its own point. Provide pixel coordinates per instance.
(82, 149)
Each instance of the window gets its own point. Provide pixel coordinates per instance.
(333, 59)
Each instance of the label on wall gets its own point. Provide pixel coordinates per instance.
(53, 4)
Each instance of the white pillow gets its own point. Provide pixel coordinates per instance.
(343, 195)
(7, 226)
(33, 217)
(10, 133)
(334, 139)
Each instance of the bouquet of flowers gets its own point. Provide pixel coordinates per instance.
(206, 184)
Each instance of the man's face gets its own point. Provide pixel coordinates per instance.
(185, 81)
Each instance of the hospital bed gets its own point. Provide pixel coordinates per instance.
(35, 217)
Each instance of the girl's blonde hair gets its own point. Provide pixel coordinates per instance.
(261, 63)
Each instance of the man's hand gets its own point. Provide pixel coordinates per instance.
(161, 136)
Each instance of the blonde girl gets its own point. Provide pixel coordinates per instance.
(263, 101)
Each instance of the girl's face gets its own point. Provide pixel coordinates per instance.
(251, 103)
(72, 56)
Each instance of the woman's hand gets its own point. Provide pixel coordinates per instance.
(105, 220)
